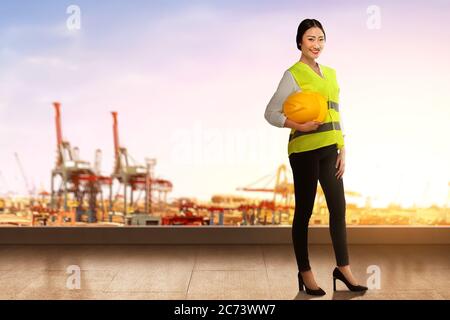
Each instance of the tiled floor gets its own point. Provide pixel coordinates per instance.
(216, 272)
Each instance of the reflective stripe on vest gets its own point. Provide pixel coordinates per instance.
(333, 105)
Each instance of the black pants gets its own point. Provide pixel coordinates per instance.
(309, 167)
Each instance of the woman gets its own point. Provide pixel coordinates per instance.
(316, 152)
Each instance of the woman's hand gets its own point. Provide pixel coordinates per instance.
(340, 163)
(309, 126)
(304, 127)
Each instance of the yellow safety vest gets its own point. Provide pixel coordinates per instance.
(330, 131)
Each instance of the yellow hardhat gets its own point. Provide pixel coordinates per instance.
(305, 106)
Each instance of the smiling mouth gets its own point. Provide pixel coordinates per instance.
(315, 51)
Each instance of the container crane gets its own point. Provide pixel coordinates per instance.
(134, 177)
(78, 178)
(31, 190)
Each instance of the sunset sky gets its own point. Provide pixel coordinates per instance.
(191, 80)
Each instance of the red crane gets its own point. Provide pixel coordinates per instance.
(135, 177)
(77, 177)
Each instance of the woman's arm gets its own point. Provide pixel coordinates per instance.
(274, 110)
(304, 127)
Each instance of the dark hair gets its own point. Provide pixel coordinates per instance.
(305, 25)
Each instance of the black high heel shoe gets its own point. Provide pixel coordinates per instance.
(301, 284)
(337, 274)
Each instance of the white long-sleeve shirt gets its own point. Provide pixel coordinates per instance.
(274, 110)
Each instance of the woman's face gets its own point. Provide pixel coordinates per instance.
(313, 42)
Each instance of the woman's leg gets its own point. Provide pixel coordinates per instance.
(333, 189)
(305, 169)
